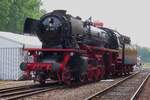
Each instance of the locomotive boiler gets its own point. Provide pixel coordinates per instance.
(74, 50)
(58, 29)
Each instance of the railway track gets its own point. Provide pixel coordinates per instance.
(126, 89)
(138, 91)
(143, 91)
(24, 91)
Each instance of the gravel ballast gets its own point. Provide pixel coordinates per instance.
(76, 93)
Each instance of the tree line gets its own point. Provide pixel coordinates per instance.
(144, 53)
(14, 12)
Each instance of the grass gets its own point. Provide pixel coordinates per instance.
(146, 65)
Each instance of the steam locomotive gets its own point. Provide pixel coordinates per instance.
(74, 50)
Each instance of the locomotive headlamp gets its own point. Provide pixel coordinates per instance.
(71, 53)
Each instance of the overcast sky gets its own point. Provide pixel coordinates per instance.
(130, 17)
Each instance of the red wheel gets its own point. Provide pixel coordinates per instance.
(66, 76)
(90, 76)
(98, 74)
(102, 72)
(83, 78)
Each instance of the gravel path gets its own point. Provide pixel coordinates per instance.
(8, 84)
(77, 93)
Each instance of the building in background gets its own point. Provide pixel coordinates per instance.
(12, 54)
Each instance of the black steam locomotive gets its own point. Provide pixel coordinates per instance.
(58, 29)
(73, 49)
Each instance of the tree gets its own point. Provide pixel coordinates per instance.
(144, 52)
(14, 12)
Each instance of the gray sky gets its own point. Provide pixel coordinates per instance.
(130, 17)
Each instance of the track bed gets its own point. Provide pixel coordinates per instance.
(144, 92)
(24, 91)
(76, 93)
(123, 90)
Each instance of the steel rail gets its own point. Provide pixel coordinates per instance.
(25, 94)
(110, 87)
(138, 91)
(3, 90)
(14, 88)
(23, 91)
